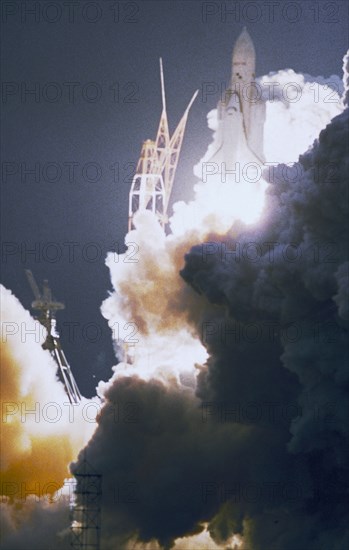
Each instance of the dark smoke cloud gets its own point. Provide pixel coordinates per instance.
(261, 449)
(308, 291)
(35, 525)
(171, 467)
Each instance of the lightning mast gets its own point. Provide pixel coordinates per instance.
(47, 307)
(152, 183)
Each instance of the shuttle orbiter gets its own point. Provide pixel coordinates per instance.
(241, 113)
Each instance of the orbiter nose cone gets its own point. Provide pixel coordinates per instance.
(244, 47)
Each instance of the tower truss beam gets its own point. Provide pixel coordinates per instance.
(47, 307)
(153, 181)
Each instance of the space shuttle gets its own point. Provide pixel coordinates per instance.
(241, 113)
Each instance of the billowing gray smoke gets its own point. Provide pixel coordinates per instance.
(260, 451)
(288, 280)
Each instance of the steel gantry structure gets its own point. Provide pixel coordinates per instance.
(152, 183)
(47, 307)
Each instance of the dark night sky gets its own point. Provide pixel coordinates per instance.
(119, 55)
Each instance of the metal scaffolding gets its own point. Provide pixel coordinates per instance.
(85, 508)
(47, 306)
(152, 183)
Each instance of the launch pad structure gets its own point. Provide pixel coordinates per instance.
(85, 508)
(47, 306)
(239, 135)
(85, 503)
(152, 183)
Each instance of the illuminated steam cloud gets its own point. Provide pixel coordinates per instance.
(274, 472)
(297, 108)
(40, 433)
(149, 309)
(151, 305)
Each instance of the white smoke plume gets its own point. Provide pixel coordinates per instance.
(151, 306)
(298, 107)
(41, 433)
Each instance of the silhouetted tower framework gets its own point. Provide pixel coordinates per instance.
(86, 508)
(47, 307)
(152, 183)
